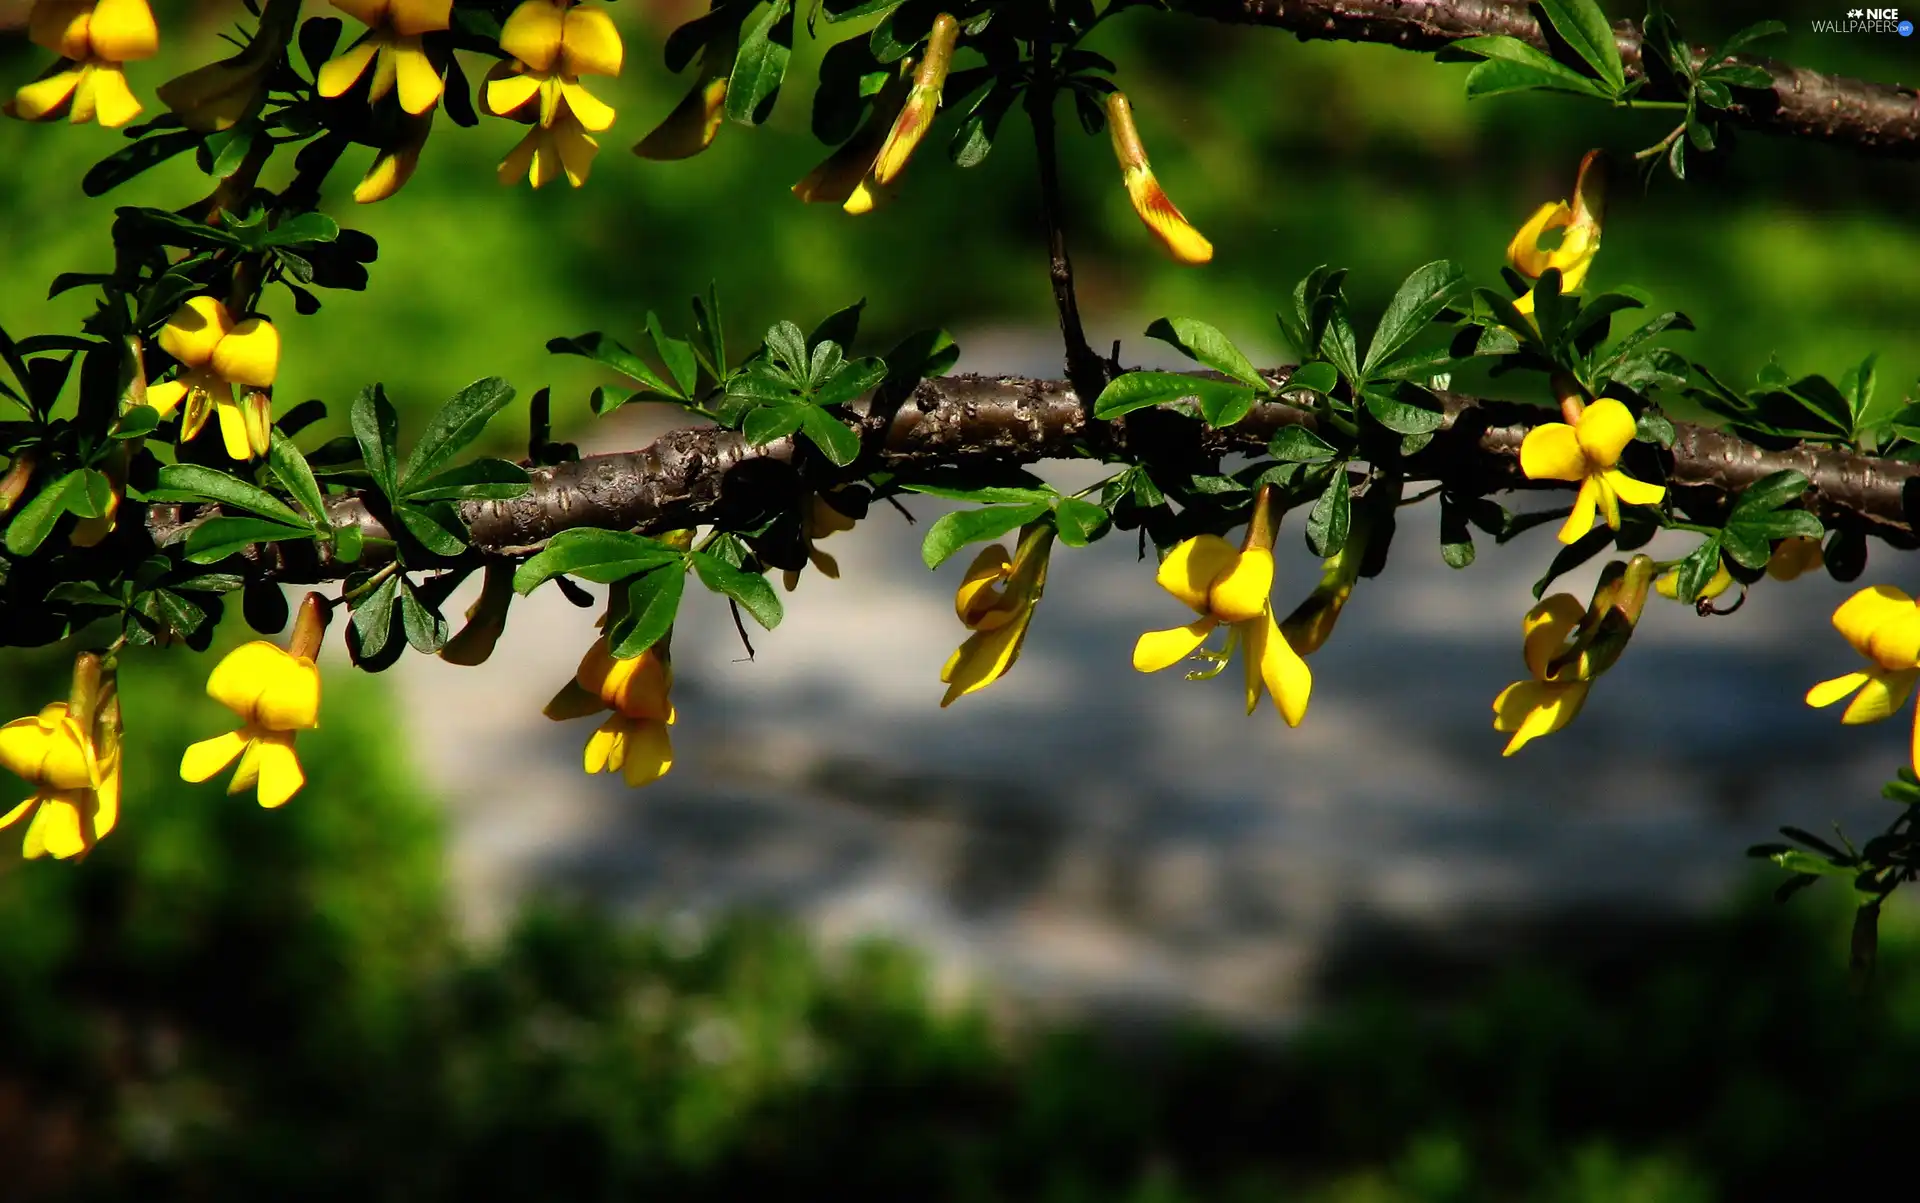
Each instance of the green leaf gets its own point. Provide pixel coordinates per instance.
(1315, 377)
(602, 556)
(221, 536)
(1138, 390)
(479, 480)
(1400, 416)
(677, 354)
(986, 494)
(1203, 343)
(434, 525)
(1780, 524)
(951, 532)
(1585, 27)
(375, 426)
(458, 423)
(1456, 536)
(1567, 558)
(840, 327)
(652, 602)
(1744, 546)
(1331, 518)
(90, 496)
(712, 340)
(760, 66)
(1337, 342)
(610, 353)
(129, 161)
(424, 627)
(293, 472)
(1795, 861)
(770, 422)
(214, 485)
(1769, 493)
(1298, 445)
(1742, 75)
(1420, 299)
(1079, 521)
(373, 618)
(137, 422)
(348, 541)
(848, 381)
(1224, 407)
(750, 589)
(299, 228)
(788, 347)
(35, 520)
(1514, 65)
(831, 435)
(920, 356)
(973, 138)
(1746, 37)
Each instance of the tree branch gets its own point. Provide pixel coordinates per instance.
(679, 481)
(1881, 118)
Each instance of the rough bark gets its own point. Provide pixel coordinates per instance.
(1882, 118)
(678, 481)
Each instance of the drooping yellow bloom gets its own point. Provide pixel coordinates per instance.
(221, 95)
(634, 740)
(822, 520)
(276, 693)
(1587, 452)
(694, 123)
(914, 119)
(217, 353)
(996, 602)
(93, 38)
(394, 165)
(70, 754)
(392, 46)
(552, 46)
(1578, 245)
(1162, 217)
(1566, 647)
(1883, 624)
(840, 173)
(1795, 555)
(1227, 585)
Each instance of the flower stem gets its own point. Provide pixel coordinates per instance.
(1084, 369)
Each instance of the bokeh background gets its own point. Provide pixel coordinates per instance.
(1087, 935)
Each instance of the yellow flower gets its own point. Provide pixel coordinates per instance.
(1150, 201)
(822, 520)
(1548, 702)
(276, 693)
(1578, 245)
(1587, 452)
(1225, 585)
(70, 754)
(221, 95)
(1882, 624)
(92, 39)
(392, 45)
(394, 165)
(216, 353)
(552, 46)
(836, 178)
(996, 602)
(693, 124)
(634, 740)
(914, 119)
(1795, 555)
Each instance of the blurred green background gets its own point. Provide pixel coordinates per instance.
(230, 1003)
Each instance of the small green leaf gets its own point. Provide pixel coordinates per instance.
(1585, 27)
(1224, 407)
(301, 228)
(478, 480)
(137, 422)
(1138, 390)
(1748, 36)
(1204, 344)
(677, 354)
(1514, 65)
(1337, 342)
(849, 381)
(373, 618)
(1419, 300)
(35, 520)
(986, 494)
(832, 436)
(375, 427)
(760, 67)
(610, 353)
(770, 422)
(951, 532)
(434, 525)
(348, 542)
(458, 423)
(788, 347)
(1399, 415)
(1331, 518)
(221, 536)
(712, 340)
(1769, 493)
(291, 469)
(1314, 377)
(602, 556)
(424, 627)
(652, 603)
(214, 485)
(920, 356)
(750, 589)
(90, 496)
(1298, 445)
(1079, 521)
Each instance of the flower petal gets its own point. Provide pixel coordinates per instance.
(1551, 451)
(1826, 693)
(985, 657)
(1895, 642)
(419, 80)
(194, 331)
(591, 112)
(505, 92)
(649, 754)
(532, 33)
(977, 597)
(413, 17)
(1544, 631)
(1286, 676)
(113, 102)
(606, 747)
(210, 756)
(1156, 650)
(1244, 591)
(1605, 429)
(1191, 568)
(590, 43)
(249, 355)
(62, 26)
(41, 100)
(1631, 491)
(1580, 520)
(575, 149)
(280, 774)
(123, 31)
(1523, 253)
(233, 427)
(572, 702)
(1530, 709)
(1862, 614)
(55, 830)
(338, 75)
(1177, 235)
(1881, 695)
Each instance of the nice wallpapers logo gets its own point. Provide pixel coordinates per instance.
(1868, 20)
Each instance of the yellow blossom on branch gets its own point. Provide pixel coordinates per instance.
(1579, 240)
(552, 46)
(392, 46)
(843, 171)
(822, 520)
(216, 353)
(1883, 625)
(1795, 555)
(70, 754)
(914, 119)
(93, 38)
(1566, 646)
(1162, 217)
(276, 693)
(996, 601)
(633, 741)
(1225, 585)
(1586, 449)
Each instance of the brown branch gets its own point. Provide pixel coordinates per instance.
(679, 480)
(1883, 118)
